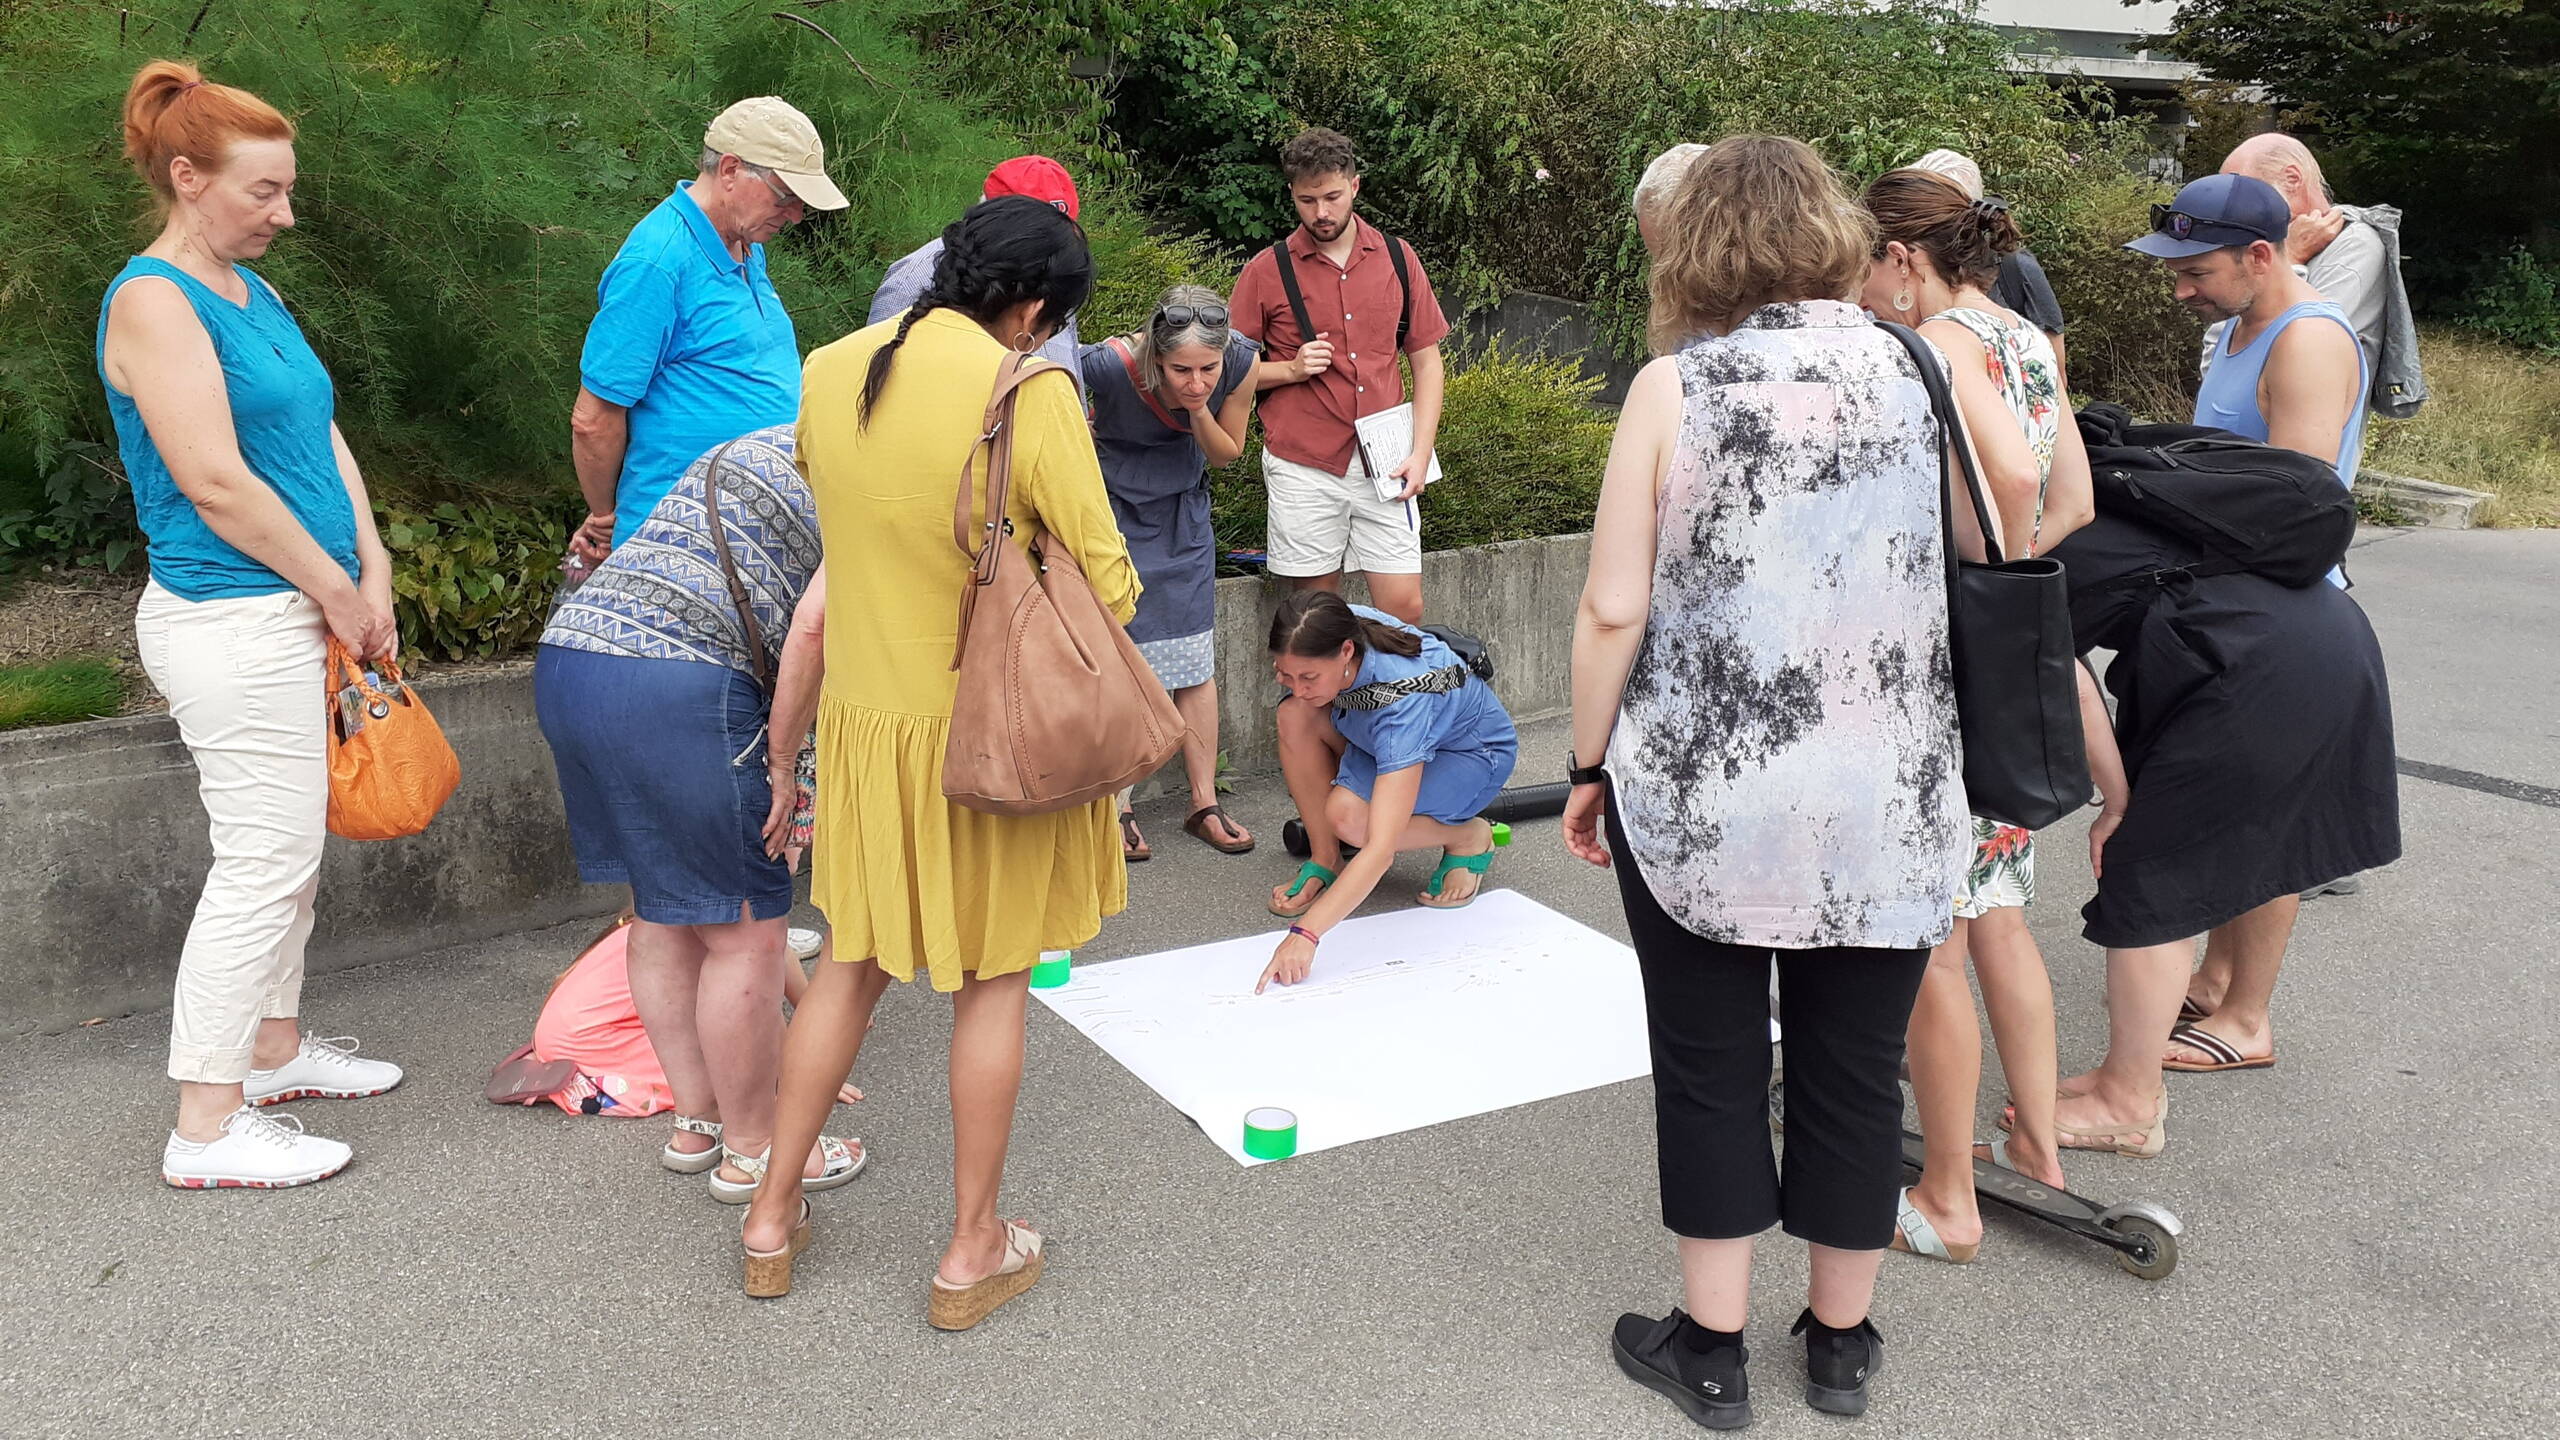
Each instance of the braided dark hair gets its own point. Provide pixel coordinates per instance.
(1312, 624)
(1002, 252)
(1966, 238)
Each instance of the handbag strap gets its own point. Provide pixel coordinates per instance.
(1942, 404)
(760, 664)
(996, 433)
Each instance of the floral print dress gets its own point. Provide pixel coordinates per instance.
(2019, 359)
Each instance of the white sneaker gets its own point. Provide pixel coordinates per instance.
(805, 944)
(322, 1070)
(256, 1152)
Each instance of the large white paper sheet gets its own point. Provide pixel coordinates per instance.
(1408, 1020)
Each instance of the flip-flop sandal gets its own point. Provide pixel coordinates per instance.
(2190, 1012)
(1133, 846)
(1198, 828)
(1914, 1235)
(2110, 1139)
(1306, 872)
(2225, 1057)
(1482, 865)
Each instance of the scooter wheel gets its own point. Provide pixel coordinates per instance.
(2155, 1252)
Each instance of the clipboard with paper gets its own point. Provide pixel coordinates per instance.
(1386, 439)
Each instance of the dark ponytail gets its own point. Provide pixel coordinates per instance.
(1312, 624)
(1002, 252)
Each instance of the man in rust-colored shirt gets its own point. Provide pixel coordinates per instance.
(1365, 308)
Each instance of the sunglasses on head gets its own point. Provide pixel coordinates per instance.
(2178, 225)
(1174, 317)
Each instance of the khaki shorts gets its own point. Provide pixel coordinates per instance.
(1321, 523)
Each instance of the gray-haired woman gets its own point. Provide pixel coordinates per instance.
(1170, 400)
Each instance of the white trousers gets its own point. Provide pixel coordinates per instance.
(243, 678)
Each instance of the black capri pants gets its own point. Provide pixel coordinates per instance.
(1706, 1005)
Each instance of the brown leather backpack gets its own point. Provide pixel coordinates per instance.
(1056, 707)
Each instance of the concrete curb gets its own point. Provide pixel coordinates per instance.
(2431, 505)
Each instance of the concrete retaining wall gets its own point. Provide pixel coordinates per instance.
(106, 852)
(106, 841)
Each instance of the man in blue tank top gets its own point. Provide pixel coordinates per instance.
(2301, 386)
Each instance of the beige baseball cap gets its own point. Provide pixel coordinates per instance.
(767, 131)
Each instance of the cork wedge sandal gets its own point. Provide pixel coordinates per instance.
(769, 1271)
(958, 1307)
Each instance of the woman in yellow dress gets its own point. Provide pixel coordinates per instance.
(910, 881)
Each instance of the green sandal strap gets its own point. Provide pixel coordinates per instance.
(1480, 864)
(1310, 871)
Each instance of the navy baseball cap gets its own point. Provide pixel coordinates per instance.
(2215, 213)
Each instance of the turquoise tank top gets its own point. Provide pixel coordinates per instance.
(2229, 399)
(281, 407)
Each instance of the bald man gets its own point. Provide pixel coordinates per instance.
(1661, 180)
(2335, 247)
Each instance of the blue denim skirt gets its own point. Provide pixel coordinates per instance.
(662, 770)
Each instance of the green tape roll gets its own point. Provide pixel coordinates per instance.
(1052, 971)
(1270, 1133)
(1501, 834)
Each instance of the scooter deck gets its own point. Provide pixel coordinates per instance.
(2143, 1235)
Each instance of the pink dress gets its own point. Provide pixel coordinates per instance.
(590, 1022)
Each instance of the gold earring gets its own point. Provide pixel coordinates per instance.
(1024, 343)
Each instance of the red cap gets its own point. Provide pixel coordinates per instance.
(1037, 176)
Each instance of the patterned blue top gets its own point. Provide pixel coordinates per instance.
(1409, 728)
(661, 594)
(282, 405)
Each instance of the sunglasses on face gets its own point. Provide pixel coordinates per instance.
(1174, 317)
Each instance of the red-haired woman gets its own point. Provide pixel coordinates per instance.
(262, 546)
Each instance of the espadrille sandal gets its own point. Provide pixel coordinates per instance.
(845, 1159)
(692, 1162)
(769, 1272)
(958, 1307)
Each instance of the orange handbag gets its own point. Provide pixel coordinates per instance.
(390, 768)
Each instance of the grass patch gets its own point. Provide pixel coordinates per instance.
(57, 692)
(2492, 424)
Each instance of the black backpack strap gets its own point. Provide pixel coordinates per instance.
(2175, 574)
(1404, 286)
(1289, 286)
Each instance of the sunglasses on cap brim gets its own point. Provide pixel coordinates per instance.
(2178, 225)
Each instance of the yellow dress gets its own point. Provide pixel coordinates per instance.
(905, 876)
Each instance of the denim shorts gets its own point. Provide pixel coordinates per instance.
(1456, 784)
(662, 770)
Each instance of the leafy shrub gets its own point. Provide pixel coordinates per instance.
(2519, 302)
(57, 692)
(77, 510)
(474, 586)
(2129, 341)
(1134, 265)
(1521, 445)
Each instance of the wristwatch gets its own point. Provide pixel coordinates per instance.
(1576, 773)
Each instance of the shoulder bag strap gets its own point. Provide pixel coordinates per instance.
(759, 663)
(1404, 286)
(997, 435)
(1289, 286)
(1129, 363)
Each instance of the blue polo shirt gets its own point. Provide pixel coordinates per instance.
(693, 343)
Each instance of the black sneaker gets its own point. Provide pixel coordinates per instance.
(1838, 1364)
(1711, 1387)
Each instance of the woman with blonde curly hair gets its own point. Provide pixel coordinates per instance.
(1764, 748)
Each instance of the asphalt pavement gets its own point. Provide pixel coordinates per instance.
(2359, 1257)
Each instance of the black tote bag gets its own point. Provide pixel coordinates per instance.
(2009, 635)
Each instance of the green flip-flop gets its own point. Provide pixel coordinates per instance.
(1482, 865)
(1306, 872)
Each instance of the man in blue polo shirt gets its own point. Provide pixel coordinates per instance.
(690, 346)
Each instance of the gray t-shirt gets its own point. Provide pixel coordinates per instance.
(914, 270)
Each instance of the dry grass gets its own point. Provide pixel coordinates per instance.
(2492, 423)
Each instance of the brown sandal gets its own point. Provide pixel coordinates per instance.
(1198, 828)
(958, 1307)
(769, 1272)
(1133, 846)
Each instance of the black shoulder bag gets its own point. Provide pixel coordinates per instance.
(2009, 635)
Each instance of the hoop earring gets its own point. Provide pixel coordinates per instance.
(1024, 343)
(1901, 302)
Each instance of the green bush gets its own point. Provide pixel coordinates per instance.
(57, 692)
(1521, 449)
(2519, 302)
(474, 586)
(76, 509)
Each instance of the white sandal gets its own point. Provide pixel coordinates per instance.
(845, 1159)
(1914, 1235)
(692, 1162)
